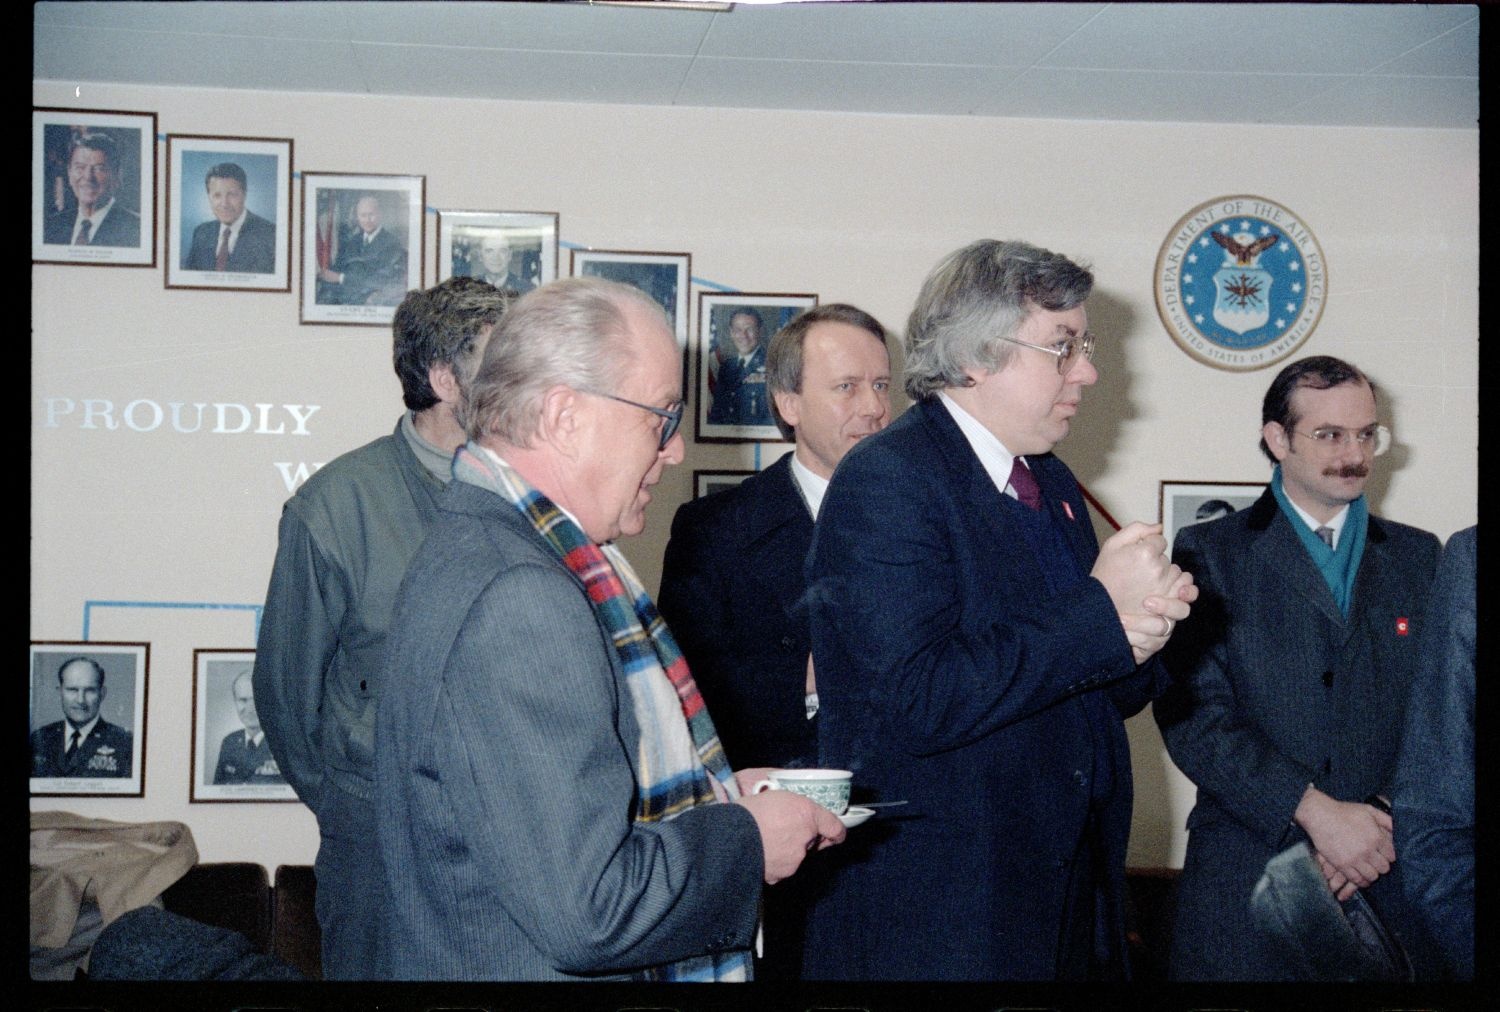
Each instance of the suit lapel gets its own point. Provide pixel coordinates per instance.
(1055, 499)
(777, 532)
(1279, 549)
(1375, 579)
(986, 508)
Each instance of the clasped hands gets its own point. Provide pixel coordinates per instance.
(1150, 594)
(1353, 842)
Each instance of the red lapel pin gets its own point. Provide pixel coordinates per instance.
(1403, 627)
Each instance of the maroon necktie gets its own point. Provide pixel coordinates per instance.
(221, 258)
(84, 227)
(1027, 490)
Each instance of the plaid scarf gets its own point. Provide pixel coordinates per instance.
(679, 748)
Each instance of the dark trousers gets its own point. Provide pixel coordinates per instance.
(351, 900)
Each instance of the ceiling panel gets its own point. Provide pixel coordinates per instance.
(847, 87)
(1254, 38)
(524, 76)
(1146, 95)
(1398, 65)
(562, 27)
(897, 32)
(1421, 102)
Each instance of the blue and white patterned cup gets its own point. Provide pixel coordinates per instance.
(829, 788)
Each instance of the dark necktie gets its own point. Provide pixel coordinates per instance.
(84, 228)
(1326, 533)
(221, 258)
(72, 743)
(1027, 490)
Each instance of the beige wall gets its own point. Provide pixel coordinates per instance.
(853, 207)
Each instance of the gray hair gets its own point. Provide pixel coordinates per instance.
(784, 357)
(570, 332)
(974, 297)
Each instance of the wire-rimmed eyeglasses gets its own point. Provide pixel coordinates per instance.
(1375, 439)
(1066, 351)
(670, 417)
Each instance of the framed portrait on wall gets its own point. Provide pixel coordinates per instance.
(709, 482)
(231, 759)
(88, 719)
(509, 249)
(93, 183)
(1194, 502)
(733, 401)
(666, 277)
(362, 245)
(229, 213)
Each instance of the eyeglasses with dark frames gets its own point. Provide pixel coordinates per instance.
(1065, 351)
(670, 417)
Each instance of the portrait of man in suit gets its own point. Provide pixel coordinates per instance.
(370, 265)
(83, 743)
(739, 393)
(1290, 681)
(496, 257)
(97, 218)
(244, 755)
(732, 588)
(976, 651)
(236, 239)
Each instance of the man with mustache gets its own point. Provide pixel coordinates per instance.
(732, 587)
(1291, 679)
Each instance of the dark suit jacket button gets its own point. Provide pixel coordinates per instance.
(788, 642)
(1079, 778)
(1328, 678)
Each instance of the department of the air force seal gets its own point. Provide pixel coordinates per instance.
(1240, 282)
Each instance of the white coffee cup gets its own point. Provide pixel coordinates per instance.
(829, 788)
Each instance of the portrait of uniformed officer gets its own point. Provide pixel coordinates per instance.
(244, 756)
(82, 744)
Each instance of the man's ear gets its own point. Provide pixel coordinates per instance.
(790, 406)
(1277, 439)
(440, 377)
(561, 422)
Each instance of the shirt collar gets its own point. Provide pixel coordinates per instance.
(96, 217)
(429, 455)
(1334, 523)
(813, 486)
(993, 456)
(83, 732)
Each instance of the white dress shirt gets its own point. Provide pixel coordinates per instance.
(993, 456)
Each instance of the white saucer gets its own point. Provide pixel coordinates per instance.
(855, 815)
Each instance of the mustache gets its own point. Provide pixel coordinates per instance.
(1351, 471)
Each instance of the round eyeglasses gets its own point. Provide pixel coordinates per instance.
(1329, 439)
(1066, 351)
(671, 417)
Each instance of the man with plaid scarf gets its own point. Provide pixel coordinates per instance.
(554, 802)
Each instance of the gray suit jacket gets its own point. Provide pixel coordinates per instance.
(1273, 689)
(506, 745)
